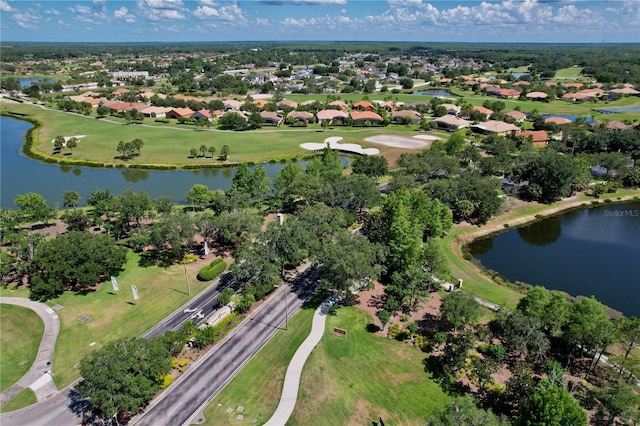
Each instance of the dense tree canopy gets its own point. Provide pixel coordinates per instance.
(76, 260)
(123, 375)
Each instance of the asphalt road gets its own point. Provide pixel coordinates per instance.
(184, 401)
(64, 409)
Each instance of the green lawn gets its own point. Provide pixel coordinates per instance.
(21, 331)
(357, 379)
(25, 398)
(571, 73)
(114, 314)
(258, 385)
(345, 381)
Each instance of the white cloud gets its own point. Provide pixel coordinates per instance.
(6, 7)
(161, 10)
(229, 13)
(123, 14)
(28, 19)
(53, 12)
(302, 2)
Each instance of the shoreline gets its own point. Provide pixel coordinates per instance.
(465, 234)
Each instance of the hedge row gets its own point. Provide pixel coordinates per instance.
(211, 271)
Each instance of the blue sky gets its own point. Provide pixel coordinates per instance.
(535, 21)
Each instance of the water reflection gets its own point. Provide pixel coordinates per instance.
(77, 172)
(135, 175)
(542, 233)
(65, 168)
(481, 246)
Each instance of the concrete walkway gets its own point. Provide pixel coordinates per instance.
(294, 371)
(38, 378)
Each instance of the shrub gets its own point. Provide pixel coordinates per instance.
(174, 362)
(210, 272)
(166, 381)
(420, 341)
(394, 330)
(225, 296)
(440, 337)
(496, 352)
(404, 318)
(183, 362)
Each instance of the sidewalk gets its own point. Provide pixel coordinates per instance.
(38, 378)
(294, 371)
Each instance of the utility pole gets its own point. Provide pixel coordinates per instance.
(186, 277)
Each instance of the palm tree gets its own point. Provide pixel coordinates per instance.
(203, 149)
(212, 150)
(224, 152)
(194, 152)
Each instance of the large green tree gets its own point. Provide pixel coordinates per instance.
(552, 405)
(123, 375)
(459, 308)
(33, 208)
(464, 411)
(76, 260)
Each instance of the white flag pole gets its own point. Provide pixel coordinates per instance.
(206, 249)
(114, 283)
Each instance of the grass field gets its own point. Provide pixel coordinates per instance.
(25, 398)
(21, 331)
(345, 381)
(572, 73)
(114, 314)
(258, 386)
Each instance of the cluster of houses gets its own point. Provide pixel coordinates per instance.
(571, 91)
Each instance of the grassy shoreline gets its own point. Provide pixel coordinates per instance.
(476, 279)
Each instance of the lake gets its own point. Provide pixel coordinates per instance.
(590, 251)
(20, 174)
(435, 92)
(620, 109)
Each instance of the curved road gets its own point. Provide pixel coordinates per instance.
(38, 377)
(64, 408)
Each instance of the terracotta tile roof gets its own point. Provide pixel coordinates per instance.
(413, 115)
(452, 121)
(364, 116)
(494, 126)
(120, 91)
(271, 116)
(537, 95)
(483, 110)
(300, 115)
(538, 137)
(557, 120)
(287, 102)
(364, 104)
(330, 114)
(517, 115)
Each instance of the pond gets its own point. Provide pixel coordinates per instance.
(20, 174)
(435, 92)
(590, 251)
(26, 82)
(621, 109)
(588, 118)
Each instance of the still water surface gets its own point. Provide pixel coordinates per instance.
(20, 174)
(591, 251)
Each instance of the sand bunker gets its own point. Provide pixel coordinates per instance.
(397, 141)
(428, 137)
(332, 142)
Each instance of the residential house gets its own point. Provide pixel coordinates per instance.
(403, 115)
(203, 113)
(120, 91)
(297, 116)
(538, 137)
(362, 117)
(332, 115)
(364, 106)
(287, 103)
(340, 104)
(611, 124)
(231, 104)
(519, 116)
(557, 120)
(272, 118)
(483, 110)
(451, 122)
(260, 103)
(452, 109)
(494, 127)
(156, 112)
(180, 112)
(537, 96)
